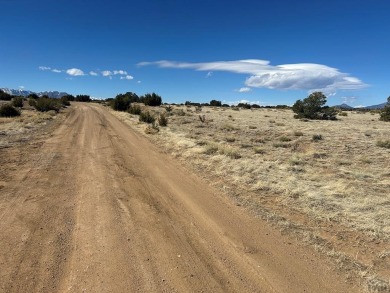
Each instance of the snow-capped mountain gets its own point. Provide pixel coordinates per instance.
(21, 92)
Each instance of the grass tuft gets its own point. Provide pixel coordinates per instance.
(383, 144)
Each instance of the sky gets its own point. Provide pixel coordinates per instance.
(264, 52)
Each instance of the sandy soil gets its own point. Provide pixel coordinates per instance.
(95, 207)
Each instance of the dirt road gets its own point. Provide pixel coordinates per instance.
(97, 208)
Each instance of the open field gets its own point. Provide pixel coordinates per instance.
(326, 182)
(88, 204)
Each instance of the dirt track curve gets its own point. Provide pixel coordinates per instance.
(99, 209)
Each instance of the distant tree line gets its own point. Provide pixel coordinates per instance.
(40, 103)
(216, 103)
(122, 102)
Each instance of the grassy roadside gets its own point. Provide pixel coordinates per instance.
(20, 137)
(325, 182)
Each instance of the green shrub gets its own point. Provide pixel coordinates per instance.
(33, 96)
(8, 110)
(82, 98)
(70, 98)
(146, 117)
(215, 103)
(162, 120)
(134, 109)
(151, 99)
(17, 102)
(121, 103)
(244, 105)
(47, 104)
(313, 107)
(385, 113)
(64, 101)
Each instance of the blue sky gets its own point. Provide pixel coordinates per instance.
(266, 52)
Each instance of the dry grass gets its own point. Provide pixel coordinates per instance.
(312, 175)
(19, 129)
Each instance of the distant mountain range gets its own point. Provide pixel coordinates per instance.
(373, 107)
(24, 93)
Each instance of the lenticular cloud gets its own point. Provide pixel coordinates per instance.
(303, 77)
(300, 76)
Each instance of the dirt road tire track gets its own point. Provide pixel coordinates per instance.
(99, 209)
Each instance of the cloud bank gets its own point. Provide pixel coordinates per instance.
(300, 76)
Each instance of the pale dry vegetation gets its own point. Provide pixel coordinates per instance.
(19, 129)
(327, 182)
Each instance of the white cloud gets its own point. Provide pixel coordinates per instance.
(209, 74)
(75, 72)
(107, 73)
(300, 76)
(120, 72)
(21, 87)
(78, 72)
(359, 106)
(128, 77)
(244, 90)
(139, 81)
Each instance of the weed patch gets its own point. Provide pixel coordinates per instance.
(383, 144)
